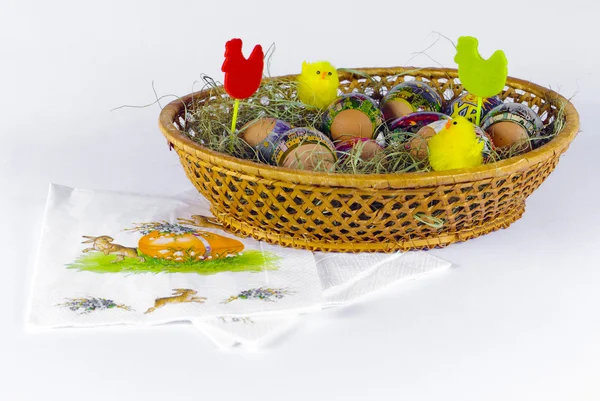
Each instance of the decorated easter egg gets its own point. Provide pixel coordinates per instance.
(171, 246)
(488, 144)
(368, 148)
(190, 246)
(413, 123)
(417, 143)
(410, 97)
(264, 145)
(466, 106)
(352, 115)
(305, 149)
(257, 130)
(513, 126)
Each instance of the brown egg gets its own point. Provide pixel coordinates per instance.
(257, 130)
(397, 108)
(418, 144)
(310, 156)
(370, 149)
(351, 123)
(506, 134)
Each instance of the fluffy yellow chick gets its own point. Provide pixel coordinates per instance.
(318, 84)
(456, 146)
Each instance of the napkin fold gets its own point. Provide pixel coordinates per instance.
(345, 279)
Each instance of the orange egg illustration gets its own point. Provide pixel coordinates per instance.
(195, 246)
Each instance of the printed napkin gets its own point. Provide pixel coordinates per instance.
(116, 258)
(109, 258)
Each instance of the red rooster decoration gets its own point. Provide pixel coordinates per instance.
(242, 76)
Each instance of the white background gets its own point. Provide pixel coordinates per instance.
(518, 319)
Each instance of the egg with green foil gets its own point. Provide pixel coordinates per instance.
(353, 115)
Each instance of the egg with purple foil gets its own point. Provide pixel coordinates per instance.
(410, 97)
(412, 123)
(416, 143)
(262, 134)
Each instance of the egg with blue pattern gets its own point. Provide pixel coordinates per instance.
(466, 106)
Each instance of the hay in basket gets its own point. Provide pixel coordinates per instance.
(365, 211)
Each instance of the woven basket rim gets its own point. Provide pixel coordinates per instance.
(557, 145)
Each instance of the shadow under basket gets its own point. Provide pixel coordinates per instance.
(372, 212)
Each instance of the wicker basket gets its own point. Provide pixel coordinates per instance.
(383, 212)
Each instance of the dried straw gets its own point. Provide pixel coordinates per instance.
(209, 123)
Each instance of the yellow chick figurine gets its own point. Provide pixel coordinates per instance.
(318, 84)
(456, 146)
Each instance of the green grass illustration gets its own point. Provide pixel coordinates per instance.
(248, 261)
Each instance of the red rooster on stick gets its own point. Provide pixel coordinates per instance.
(242, 76)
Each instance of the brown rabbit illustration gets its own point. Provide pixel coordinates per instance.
(202, 221)
(104, 244)
(180, 295)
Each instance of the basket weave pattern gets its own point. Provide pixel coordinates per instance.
(383, 212)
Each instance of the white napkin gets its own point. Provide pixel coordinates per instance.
(77, 288)
(248, 333)
(345, 279)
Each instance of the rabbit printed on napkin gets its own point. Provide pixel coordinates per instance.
(115, 258)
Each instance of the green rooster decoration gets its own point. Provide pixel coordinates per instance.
(480, 77)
